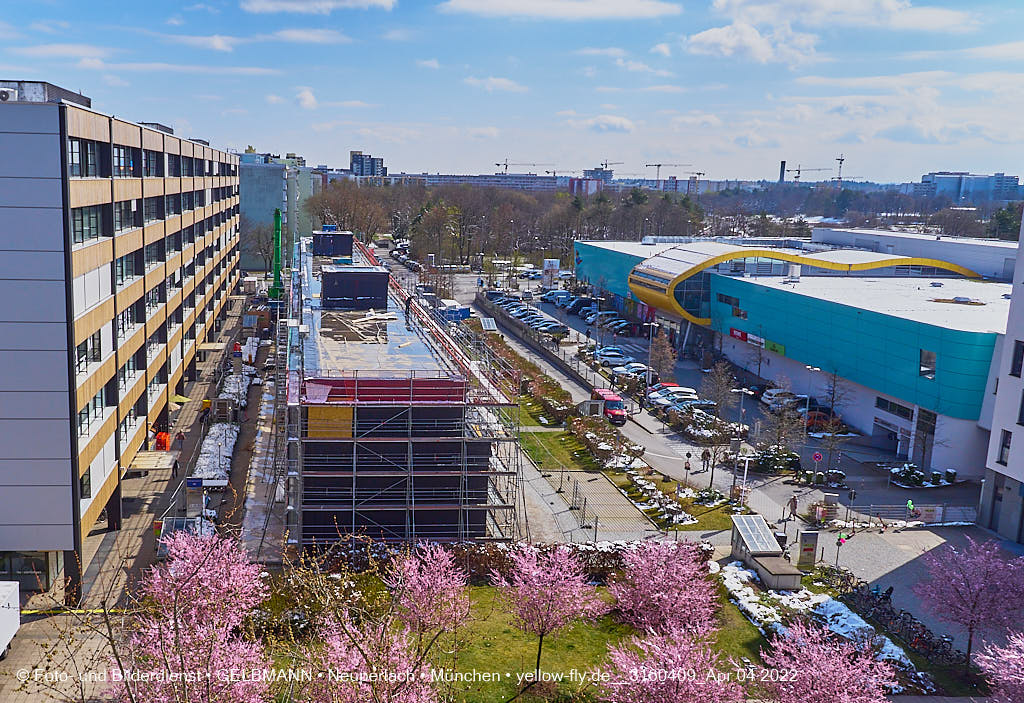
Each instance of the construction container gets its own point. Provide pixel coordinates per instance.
(354, 287)
(332, 244)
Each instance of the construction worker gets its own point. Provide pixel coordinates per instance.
(705, 459)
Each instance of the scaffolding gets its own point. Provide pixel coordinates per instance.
(391, 453)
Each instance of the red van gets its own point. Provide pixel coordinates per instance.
(614, 406)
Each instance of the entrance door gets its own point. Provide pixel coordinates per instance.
(883, 438)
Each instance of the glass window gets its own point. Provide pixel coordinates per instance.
(152, 163)
(151, 209)
(1004, 447)
(75, 157)
(124, 215)
(927, 363)
(86, 223)
(172, 204)
(85, 484)
(1018, 358)
(122, 161)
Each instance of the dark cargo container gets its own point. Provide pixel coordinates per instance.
(354, 287)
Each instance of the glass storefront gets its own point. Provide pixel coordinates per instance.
(34, 571)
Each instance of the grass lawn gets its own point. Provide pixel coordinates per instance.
(708, 518)
(738, 637)
(553, 450)
(531, 412)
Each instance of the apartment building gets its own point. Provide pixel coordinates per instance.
(120, 248)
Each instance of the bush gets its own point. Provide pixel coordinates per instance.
(773, 459)
(908, 474)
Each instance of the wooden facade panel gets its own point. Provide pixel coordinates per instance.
(153, 232)
(132, 344)
(90, 386)
(152, 139)
(152, 187)
(91, 257)
(129, 294)
(94, 319)
(131, 396)
(127, 188)
(156, 363)
(156, 320)
(88, 125)
(91, 450)
(172, 145)
(155, 277)
(127, 242)
(129, 451)
(99, 501)
(172, 185)
(125, 133)
(88, 191)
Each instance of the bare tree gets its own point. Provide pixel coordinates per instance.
(783, 427)
(258, 240)
(663, 357)
(717, 386)
(837, 396)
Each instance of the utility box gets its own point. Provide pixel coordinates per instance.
(334, 244)
(10, 614)
(808, 549)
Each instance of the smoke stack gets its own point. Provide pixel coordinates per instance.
(782, 172)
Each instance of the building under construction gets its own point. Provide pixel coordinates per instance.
(394, 431)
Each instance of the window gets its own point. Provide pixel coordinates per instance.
(124, 215)
(1004, 447)
(186, 166)
(737, 312)
(124, 269)
(75, 157)
(188, 200)
(85, 484)
(123, 161)
(86, 223)
(1020, 412)
(927, 363)
(173, 165)
(127, 372)
(152, 163)
(1018, 358)
(126, 321)
(83, 158)
(728, 300)
(151, 209)
(172, 204)
(154, 253)
(894, 408)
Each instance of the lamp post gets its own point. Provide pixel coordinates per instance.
(743, 393)
(650, 346)
(810, 387)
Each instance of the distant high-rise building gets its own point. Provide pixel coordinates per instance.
(366, 165)
(964, 187)
(598, 174)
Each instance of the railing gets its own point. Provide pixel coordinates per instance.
(928, 514)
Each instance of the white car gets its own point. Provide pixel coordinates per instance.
(632, 369)
(773, 395)
(669, 396)
(610, 358)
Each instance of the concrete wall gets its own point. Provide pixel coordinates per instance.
(991, 258)
(35, 433)
(261, 189)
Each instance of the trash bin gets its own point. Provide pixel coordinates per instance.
(951, 475)
(936, 477)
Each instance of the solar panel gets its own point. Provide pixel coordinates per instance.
(488, 324)
(756, 534)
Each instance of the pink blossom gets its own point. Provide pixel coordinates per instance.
(665, 587)
(1004, 667)
(430, 590)
(545, 592)
(367, 661)
(810, 665)
(670, 668)
(976, 588)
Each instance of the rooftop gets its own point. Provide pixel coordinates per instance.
(885, 233)
(909, 298)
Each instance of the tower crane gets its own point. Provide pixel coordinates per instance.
(554, 172)
(657, 175)
(696, 184)
(839, 176)
(800, 169)
(506, 163)
(606, 163)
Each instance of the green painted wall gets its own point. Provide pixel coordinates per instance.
(604, 267)
(873, 349)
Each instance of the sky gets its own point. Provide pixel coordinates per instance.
(725, 87)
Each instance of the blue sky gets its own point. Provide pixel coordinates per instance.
(729, 86)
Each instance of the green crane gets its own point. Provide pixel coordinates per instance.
(276, 291)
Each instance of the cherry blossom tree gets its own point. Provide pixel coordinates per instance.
(669, 668)
(976, 588)
(665, 587)
(430, 589)
(1004, 667)
(188, 639)
(546, 591)
(811, 665)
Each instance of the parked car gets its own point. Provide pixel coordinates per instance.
(770, 396)
(613, 358)
(634, 368)
(817, 420)
(598, 316)
(699, 404)
(661, 386)
(555, 328)
(670, 394)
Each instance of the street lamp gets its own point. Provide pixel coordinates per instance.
(650, 346)
(743, 393)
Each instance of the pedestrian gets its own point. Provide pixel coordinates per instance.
(705, 459)
(792, 506)
(174, 469)
(686, 466)
(910, 508)
(179, 439)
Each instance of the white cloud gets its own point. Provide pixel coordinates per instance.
(663, 49)
(604, 123)
(483, 132)
(612, 51)
(62, 51)
(349, 104)
(394, 134)
(665, 88)
(609, 106)
(305, 98)
(162, 67)
(640, 67)
(313, 7)
(884, 14)
(49, 26)
(697, 119)
(7, 31)
(608, 89)
(213, 42)
(428, 63)
(492, 84)
(565, 9)
(174, 21)
(1006, 51)
(274, 99)
(565, 113)
(399, 34)
(311, 36)
(115, 81)
(740, 39)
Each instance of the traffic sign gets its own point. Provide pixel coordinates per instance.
(817, 456)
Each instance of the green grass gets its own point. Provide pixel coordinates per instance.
(738, 637)
(709, 519)
(530, 412)
(553, 450)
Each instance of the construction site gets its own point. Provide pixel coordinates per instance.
(379, 425)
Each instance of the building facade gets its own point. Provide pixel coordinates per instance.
(964, 187)
(1002, 493)
(122, 247)
(361, 164)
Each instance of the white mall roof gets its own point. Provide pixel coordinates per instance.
(908, 298)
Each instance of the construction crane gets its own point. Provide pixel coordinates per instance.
(839, 176)
(800, 169)
(506, 163)
(606, 163)
(696, 182)
(555, 172)
(657, 175)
